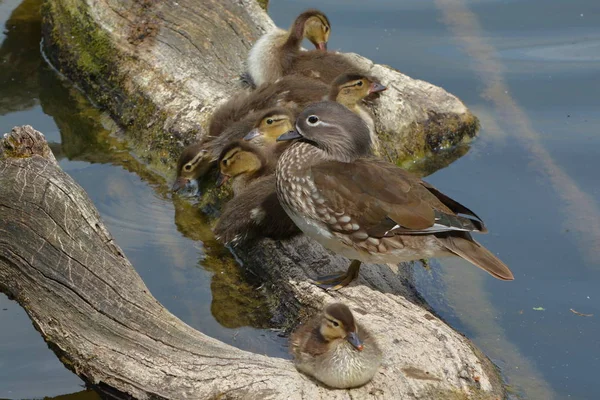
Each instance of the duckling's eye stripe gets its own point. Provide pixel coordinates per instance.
(197, 158)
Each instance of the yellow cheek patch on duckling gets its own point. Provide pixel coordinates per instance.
(273, 127)
(237, 162)
(352, 92)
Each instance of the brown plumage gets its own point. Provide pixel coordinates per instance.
(296, 92)
(336, 350)
(265, 59)
(254, 211)
(323, 66)
(366, 209)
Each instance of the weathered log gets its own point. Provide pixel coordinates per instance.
(161, 68)
(61, 264)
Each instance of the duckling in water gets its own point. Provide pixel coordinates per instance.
(196, 159)
(335, 350)
(254, 211)
(265, 57)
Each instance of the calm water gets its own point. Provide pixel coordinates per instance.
(528, 70)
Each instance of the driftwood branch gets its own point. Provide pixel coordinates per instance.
(162, 67)
(61, 264)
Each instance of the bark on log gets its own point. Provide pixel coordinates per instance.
(61, 264)
(162, 67)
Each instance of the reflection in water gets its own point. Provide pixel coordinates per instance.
(465, 290)
(20, 58)
(83, 395)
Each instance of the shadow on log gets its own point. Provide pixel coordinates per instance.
(61, 264)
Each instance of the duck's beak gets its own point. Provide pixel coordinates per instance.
(355, 341)
(322, 46)
(252, 134)
(180, 183)
(376, 88)
(290, 135)
(221, 179)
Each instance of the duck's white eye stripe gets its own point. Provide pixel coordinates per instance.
(299, 130)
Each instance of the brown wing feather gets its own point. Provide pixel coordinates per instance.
(380, 197)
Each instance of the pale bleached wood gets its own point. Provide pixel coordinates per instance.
(62, 265)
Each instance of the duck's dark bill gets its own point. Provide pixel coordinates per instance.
(354, 340)
(291, 135)
(179, 184)
(221, 180)
(376, 88)
(252, 134)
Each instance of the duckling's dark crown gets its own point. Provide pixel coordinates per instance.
(189, 154)
(243, 146)
(274, 111)
(342, 313)
(302, 18)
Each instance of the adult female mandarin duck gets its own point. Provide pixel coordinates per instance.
(366, 209)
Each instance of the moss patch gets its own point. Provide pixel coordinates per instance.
(428, 138)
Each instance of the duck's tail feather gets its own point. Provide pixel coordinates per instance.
(465, 247)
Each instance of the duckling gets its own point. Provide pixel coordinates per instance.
(242, 162)
(255, 210)
(335, 350)
(366, 209)
(197, 159)
(265, 57)
(349, 90)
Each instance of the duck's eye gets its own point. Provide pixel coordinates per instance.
(360, 83)
(326, 29)
(269, 121)
(313, 119)
(188, 167)
(335, 324)
(225, 162)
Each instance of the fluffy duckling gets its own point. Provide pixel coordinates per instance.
(265, 57)
(335, 350)
(196, 159)
(255, 210)
(242, 162)
(350, 90)
(366, 209)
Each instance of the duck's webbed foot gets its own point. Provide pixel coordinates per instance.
(340, 279)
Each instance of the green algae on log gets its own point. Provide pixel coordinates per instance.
(161, 68)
